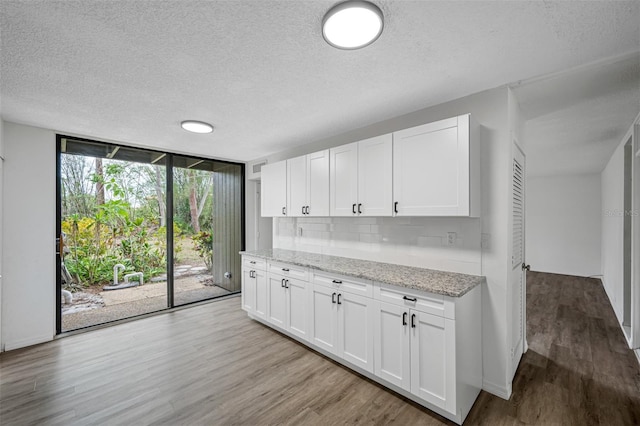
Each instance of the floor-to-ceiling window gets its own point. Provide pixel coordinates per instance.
(142, 231)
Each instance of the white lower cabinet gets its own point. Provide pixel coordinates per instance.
(425, 346)
(254, 291)
(342, 325)
(287, 304)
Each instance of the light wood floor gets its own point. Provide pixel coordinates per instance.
(211, 365)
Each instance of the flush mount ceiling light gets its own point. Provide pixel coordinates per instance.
(196, 126)
(352, 25)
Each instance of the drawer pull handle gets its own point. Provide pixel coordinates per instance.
(333, 298)
(404, 318)
(337, 282)
(410, 299)
(253, 262)
(413, 320)
(285, 269)
(339, 302)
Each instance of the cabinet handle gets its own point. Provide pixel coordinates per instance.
(413, 320)
(395, 207)
(337, 282)
(339, 302)
(286, 283)
(302, 209)
(359, 209)
(284, 211)
(251, 274)
(404, 318)
(285, 269)
(306, 210)
(333, 298)
(410, 299)
(282, 283)
(353, 209)
(253, 262)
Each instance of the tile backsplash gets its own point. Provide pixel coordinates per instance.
(414, 241)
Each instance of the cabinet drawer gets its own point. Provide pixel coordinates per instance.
(346, 284)
(430, 303)
(254, 263)
(289, 270)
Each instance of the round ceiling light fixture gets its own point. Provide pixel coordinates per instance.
(194, 126)
(352, 25)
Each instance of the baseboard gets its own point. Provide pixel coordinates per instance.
(17, 344)
(503, 392)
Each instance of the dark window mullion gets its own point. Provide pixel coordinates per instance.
(169, 233)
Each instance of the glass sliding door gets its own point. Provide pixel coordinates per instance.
(113, 238)
(207, 216)
(142, 231)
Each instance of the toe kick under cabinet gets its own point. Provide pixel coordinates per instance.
(424, 346)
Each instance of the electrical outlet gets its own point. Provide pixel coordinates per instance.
(485, 241)
(451, 238)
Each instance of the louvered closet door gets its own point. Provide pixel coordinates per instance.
(518, 278)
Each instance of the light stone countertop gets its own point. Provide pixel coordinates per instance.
(439, 282)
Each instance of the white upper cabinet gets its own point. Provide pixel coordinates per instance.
(308, 184)
(361, 178)
(436, 169)
(428, 170)
(274, 189)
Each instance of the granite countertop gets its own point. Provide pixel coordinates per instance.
(439, 282)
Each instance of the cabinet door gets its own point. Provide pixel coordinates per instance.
(261, 294)
(248, 290)
(355, 329)
(297, 304)
(375, 165)
(343, 191)
(297, 185)
(324, 327)
(392, 349)
(276, 301)
(274, 189)
(433, 359)
(431, 170)
(318, 183)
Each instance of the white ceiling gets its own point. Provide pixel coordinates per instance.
(261, 72)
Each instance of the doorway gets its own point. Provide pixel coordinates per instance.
(143, 231)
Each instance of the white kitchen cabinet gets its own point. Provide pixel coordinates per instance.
(416, 351)
(308, 184)
(342, 324)
(436, 169)
(287, 304)
(361, 178)
(425, 346)
(254, 288)
(392, 347)
(274, 189)
(324, 321)
(433, 360)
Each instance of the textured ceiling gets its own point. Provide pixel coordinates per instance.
(261, 72)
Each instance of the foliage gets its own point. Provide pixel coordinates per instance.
(114, 212)
(203, 243)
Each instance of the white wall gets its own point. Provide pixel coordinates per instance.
(563, 220)
(491, 111)
(1, 215)
(28, 243)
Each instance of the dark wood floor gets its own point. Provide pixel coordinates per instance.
(211, 365)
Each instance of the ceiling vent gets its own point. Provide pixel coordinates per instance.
(253, 169)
